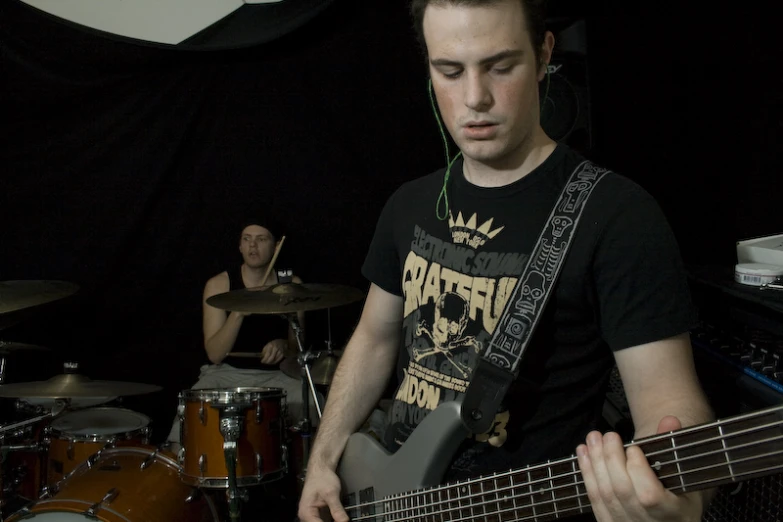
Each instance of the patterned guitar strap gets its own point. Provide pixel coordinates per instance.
(499, 364)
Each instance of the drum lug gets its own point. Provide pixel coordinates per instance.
(284, 451)
(92, 459)
(149, 460)
(69, 452)
(259, 413)
(107, 499)
(47, 491)
(25, 512)
(259, 464)
(181, 456)
(202, 463)
(201, 413)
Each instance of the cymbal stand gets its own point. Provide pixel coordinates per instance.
(231, 419)
(2, 369)
(304, 426)
(329, 349)
(305, 358)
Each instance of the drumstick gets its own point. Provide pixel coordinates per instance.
(272, 262)
(244, 354)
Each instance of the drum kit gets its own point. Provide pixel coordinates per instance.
(242, 406)
(74, 459)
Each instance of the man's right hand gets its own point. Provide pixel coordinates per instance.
(321, 490)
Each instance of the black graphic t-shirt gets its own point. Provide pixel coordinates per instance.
(622, 285)
(255, 332)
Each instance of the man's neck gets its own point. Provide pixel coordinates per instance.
(527, 158)
(255, 276)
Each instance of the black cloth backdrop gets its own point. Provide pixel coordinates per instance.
(127, 168)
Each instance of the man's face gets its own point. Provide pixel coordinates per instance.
(256, 245)
(485, 78)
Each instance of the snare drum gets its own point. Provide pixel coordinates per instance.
(77, 435)
(128, 484)
(260, 451)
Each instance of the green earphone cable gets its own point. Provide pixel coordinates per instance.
(449, 162)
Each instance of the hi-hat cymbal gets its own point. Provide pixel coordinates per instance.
(69, 385)
(291, 367)
(18, 295)
(285, 298)
(321, 370)
(7, 348)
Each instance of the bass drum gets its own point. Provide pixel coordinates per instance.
(126, 484)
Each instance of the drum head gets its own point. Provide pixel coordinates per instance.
(62, 516)
(100, 421)
(231, 395)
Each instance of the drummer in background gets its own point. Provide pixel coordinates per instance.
(267, 334)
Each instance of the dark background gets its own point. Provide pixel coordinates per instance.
(127, 168)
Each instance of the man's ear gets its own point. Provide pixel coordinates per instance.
(546, 54)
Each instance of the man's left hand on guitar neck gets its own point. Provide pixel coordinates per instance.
(622, 486)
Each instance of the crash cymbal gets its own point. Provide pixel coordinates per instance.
(74, 385)
(18, 295)
(7, 348)
(322, 369)
(285, 298)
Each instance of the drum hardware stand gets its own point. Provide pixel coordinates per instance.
(231, 417)
(59, 406)
(305, 358)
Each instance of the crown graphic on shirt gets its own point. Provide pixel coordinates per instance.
(467, 233)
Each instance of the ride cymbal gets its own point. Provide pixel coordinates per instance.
(285, 298)
(69, 385)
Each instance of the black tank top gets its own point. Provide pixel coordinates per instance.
(255, 332)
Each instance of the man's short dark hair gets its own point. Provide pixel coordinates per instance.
(535, 14)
